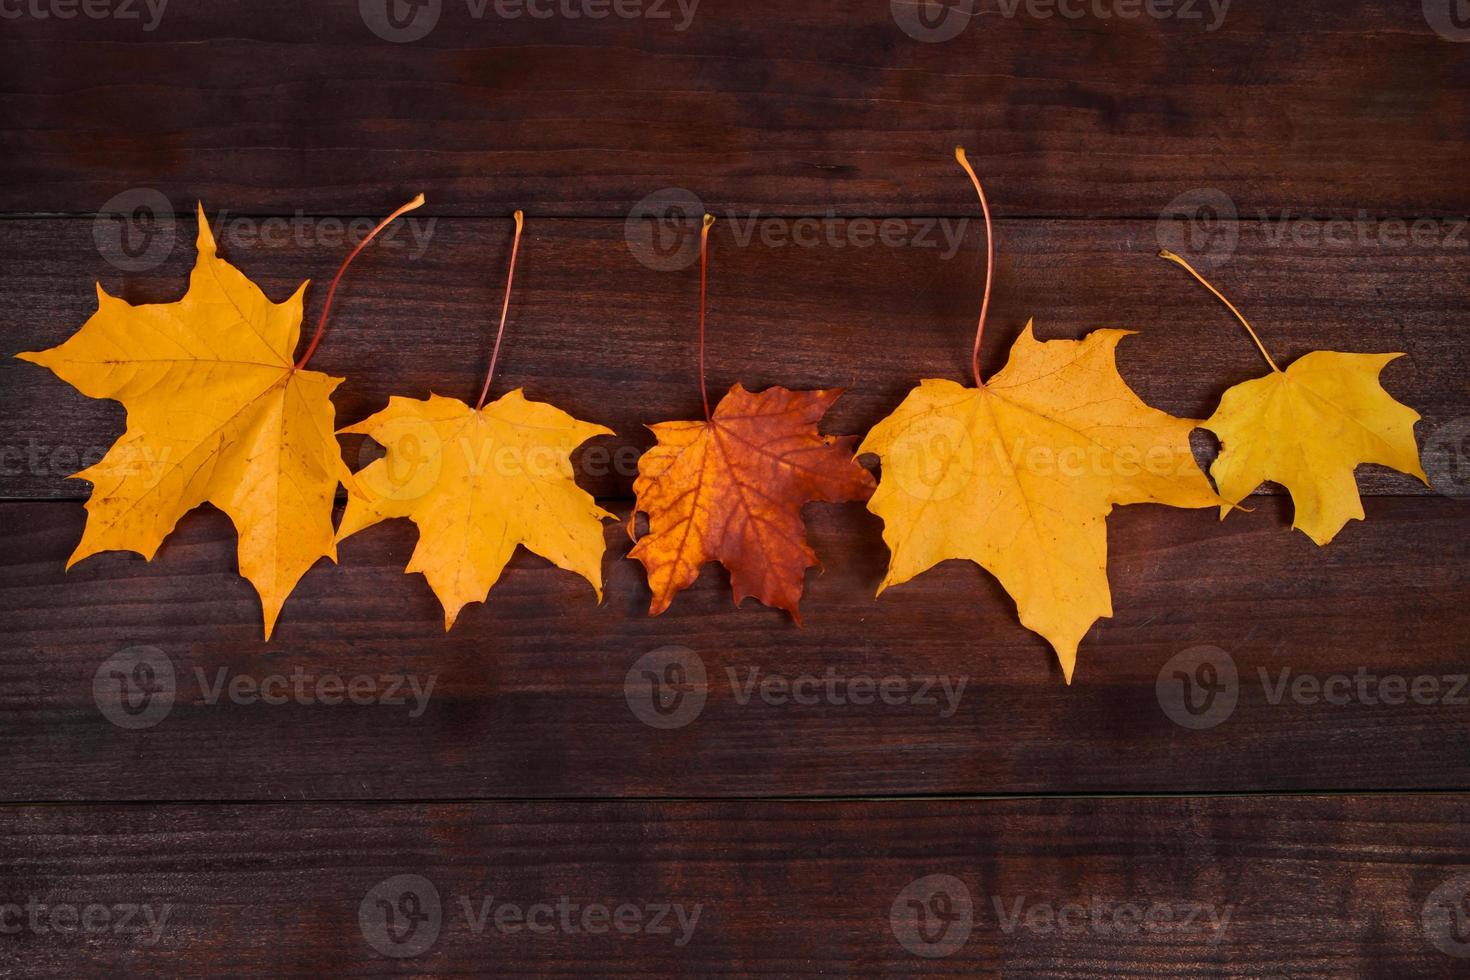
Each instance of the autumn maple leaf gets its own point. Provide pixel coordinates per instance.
(731, 488)
(217, 412)
(1019, 473)
(478, 482)
(1308, 428)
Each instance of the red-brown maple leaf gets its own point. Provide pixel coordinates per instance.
(731, 490)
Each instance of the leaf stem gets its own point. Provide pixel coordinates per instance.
(1166, 254)
(504, 308)
(959, 154)
(321, 323)
(709, 219)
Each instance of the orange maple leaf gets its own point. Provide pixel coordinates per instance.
(731, 490)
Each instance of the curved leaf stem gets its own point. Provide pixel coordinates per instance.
(321, 323)
(510, 276)
(709, 219)
(959, 154)
(1166, 254)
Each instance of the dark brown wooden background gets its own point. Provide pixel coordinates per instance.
(1329, 830)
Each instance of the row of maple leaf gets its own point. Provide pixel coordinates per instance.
(1016, 473)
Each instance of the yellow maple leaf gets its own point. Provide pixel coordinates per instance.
(1018, 475)
(478, 483)
(1308, 428)
(217, 412)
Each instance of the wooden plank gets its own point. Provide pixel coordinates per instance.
(542, 693)
(1324, 887)
(598, 332)
(826, 105)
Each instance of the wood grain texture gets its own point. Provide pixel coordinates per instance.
(601, 334)
(531, 755)
(531, 694)
(825, 105)
(1325, 887)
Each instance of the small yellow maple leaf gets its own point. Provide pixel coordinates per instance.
(477, 483)
(1019, 475)
(1308, 428)
(217, 412)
